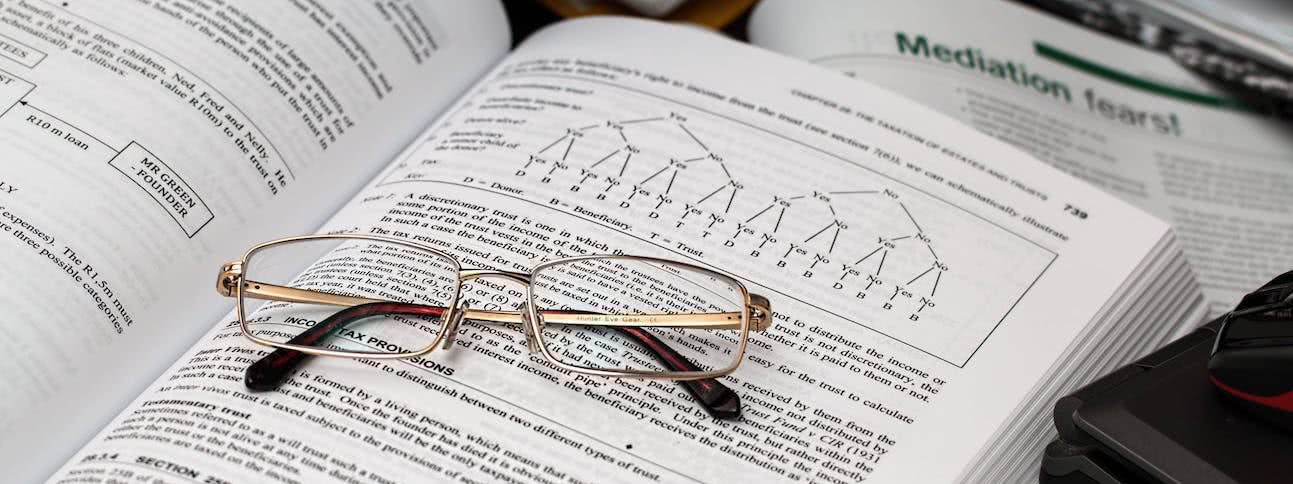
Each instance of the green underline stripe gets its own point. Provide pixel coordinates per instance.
(1109, 73)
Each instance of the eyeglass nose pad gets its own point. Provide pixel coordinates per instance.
(451, 329)
(531, 338)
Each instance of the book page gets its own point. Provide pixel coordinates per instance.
(1120, 117)
(922, 277)
(142, 140)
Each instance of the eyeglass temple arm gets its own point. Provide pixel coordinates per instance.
(270, 372)
(760, 310)
(716, 398)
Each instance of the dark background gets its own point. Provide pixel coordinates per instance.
(527, 16)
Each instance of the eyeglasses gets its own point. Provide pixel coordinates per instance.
(361, 296)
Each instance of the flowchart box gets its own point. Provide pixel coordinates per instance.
(12, 90)
(19, 52)
(160, 182)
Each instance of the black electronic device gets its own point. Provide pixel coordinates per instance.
(1252, 360)
(1161, 419)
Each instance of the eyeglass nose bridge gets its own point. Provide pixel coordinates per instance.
(530, 326)
(451, 326)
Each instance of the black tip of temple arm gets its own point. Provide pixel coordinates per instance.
(716, 398)
(271, 371)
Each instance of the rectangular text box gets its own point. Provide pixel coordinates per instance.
(12, 90)
(166, 187)
(19, 52)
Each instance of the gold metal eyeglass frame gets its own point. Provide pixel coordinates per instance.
(756, 316)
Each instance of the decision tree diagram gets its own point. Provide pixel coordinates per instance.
(661, 159)
(840, 235)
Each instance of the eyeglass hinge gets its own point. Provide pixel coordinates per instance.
(230, 275)
(760, 313)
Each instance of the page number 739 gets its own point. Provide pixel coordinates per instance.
(1074, 211)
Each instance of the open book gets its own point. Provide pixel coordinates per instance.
(933, 288)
